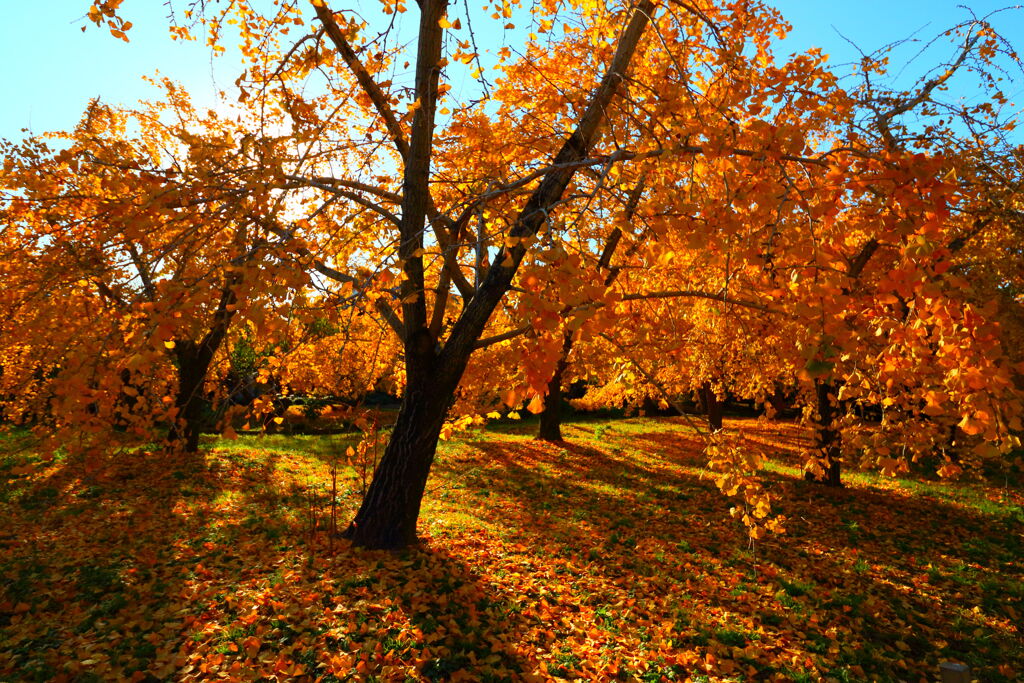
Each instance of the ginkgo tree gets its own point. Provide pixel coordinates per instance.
(433, 204)
(138, 253)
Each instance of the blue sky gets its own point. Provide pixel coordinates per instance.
(54, 68)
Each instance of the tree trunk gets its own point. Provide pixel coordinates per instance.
(779, 401)
(827, 438)
(551, 416)
(712, 406)
(388, 514)
(192, 367)
(194, 360)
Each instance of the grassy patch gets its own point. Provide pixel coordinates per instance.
(608, 557)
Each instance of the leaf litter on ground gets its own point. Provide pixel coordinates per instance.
(608, 557)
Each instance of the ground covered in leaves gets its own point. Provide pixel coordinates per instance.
(607, 558)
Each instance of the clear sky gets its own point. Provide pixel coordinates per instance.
(52, 68)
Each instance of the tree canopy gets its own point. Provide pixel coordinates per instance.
(642, 196)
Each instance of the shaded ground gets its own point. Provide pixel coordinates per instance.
(608, 558)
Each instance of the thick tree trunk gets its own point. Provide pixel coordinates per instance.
(551, 416)
(388, 514)
(827, 438)
(192, 368)
(713, 408)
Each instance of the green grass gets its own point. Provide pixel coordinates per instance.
(609, 557)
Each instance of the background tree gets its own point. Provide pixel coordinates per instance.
(140, 252)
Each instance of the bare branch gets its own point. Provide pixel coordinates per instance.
(357, 198)
(350, 184)
(682, 293)
(319, 266)
(504, 336)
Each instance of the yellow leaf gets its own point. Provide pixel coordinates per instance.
(971, 426)
(494, 415)
(278, 420)
(169, 344)
(513, 415)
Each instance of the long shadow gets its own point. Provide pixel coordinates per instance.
(163, 568)
(423, 612)
(880, 564)
(177, 568)
(90, 554)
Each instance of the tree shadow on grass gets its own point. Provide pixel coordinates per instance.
(906, 580)
(89, 554)
(208, 567)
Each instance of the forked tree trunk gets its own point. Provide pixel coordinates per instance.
(827, 438)
(194, 361)
(713, 408)
(388, 514)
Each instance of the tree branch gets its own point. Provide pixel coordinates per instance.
(544, 198)
(369, 86)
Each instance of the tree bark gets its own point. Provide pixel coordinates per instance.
(551, 417)
(388, 514)
(713, 408)
(827, 438)
(192, 367)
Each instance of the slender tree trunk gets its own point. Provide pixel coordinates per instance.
(713, 408)
(828, 439)
(551, 416)
(778, 400)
